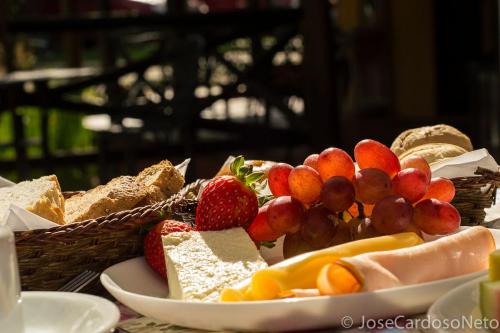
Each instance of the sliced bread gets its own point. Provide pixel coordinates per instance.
(40, 196)
(160, 182)
(119, 194)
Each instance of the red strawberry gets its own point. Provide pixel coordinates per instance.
(228, 201)
(153, 246)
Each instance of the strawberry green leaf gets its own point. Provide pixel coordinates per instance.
(268, 244)
(236, 165)
(264, 198)
(253, 177)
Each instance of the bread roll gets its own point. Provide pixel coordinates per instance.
(434, 152)
(430, 134)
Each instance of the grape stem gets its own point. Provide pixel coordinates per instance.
(360, 210)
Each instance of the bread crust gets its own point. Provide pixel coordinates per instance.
(434, 152)
(161, 181)
(430, 134)
(119, 194)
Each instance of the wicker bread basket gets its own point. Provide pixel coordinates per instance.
(474, 194)
(49, 258)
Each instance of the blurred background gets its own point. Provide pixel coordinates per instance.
(97, 88)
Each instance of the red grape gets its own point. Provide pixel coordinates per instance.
(419, 163)
(278, 179)
(335, 162)
(305, 184)
(435, 217)
(371, 185)
(259, 230)
(412, 227)
(337, 194)
(319, 227)
(365, 229)
(372, 154)
(312, 161)
(343, 234)
(294, 245)
(391, 215)
(410, 183)
(285, 214)
(441, 189)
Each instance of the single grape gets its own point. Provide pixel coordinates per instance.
(337, 194)
(419, 163)
(412, 227)
(285, 214)
(335, 162)
(319, 227)
(278, 179)
(410, 183)
(343, 234)
(312, 161)
(365, 229)
(436, 217)
(305, 184)
(373, 154)
(294, 245)
(391, 215)
(441, 189)
(371, 185)
(259, 230)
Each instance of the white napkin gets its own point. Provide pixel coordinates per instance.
(5, 182)
(19, 219)
(464, 165)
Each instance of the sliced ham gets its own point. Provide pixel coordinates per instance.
(458, 254)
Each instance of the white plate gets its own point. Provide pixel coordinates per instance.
(459, 307)
(134, 284)
(61, 312)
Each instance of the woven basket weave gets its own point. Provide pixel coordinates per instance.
(48, 258)
(474, 194)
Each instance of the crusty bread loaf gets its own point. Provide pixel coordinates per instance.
(40, 196)
(430, 134)
(434, 152)
(119, 194)
(161, 181)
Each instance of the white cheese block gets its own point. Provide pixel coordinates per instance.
(201, 264)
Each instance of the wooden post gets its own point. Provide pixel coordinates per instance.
(414, 58)
(5, 38)
(321, 99)
(72, 47)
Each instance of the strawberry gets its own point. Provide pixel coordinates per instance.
(153, 246)
(229, 201)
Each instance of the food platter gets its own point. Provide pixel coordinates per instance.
(134, 284)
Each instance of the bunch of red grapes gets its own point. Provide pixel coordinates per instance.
(326, 201)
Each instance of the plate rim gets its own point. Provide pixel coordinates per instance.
(111, 311)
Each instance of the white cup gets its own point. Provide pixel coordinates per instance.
(11, 317)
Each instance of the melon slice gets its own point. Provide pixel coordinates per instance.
(489, 299)
(494, 266)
